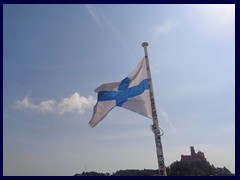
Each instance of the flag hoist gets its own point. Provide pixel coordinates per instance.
(135, 93)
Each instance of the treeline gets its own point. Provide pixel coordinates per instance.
(178, 168)
(128, 172)
(196, 168)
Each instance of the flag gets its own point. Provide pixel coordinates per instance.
(131, 93)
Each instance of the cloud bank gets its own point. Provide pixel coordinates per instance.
(74, 103)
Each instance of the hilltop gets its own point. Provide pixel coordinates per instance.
(178, 168)
(194, 164)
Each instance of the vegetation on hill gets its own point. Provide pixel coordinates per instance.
(196, 168)
(178, 168)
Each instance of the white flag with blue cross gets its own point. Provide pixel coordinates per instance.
(131, 93)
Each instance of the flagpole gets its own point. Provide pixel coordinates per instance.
(155, 126)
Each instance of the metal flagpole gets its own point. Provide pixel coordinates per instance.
(155, 126)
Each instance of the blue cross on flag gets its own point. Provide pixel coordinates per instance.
(131, 93)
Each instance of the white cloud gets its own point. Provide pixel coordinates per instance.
(74, 103)
(165, 27)
(93, 14)
(102, 20)
(25, 104)
(47, 106)
(166, 117)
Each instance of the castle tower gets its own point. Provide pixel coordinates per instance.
(192, 150)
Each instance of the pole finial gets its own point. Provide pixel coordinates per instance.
(144, 44)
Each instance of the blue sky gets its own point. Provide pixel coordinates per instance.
(54, 56)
